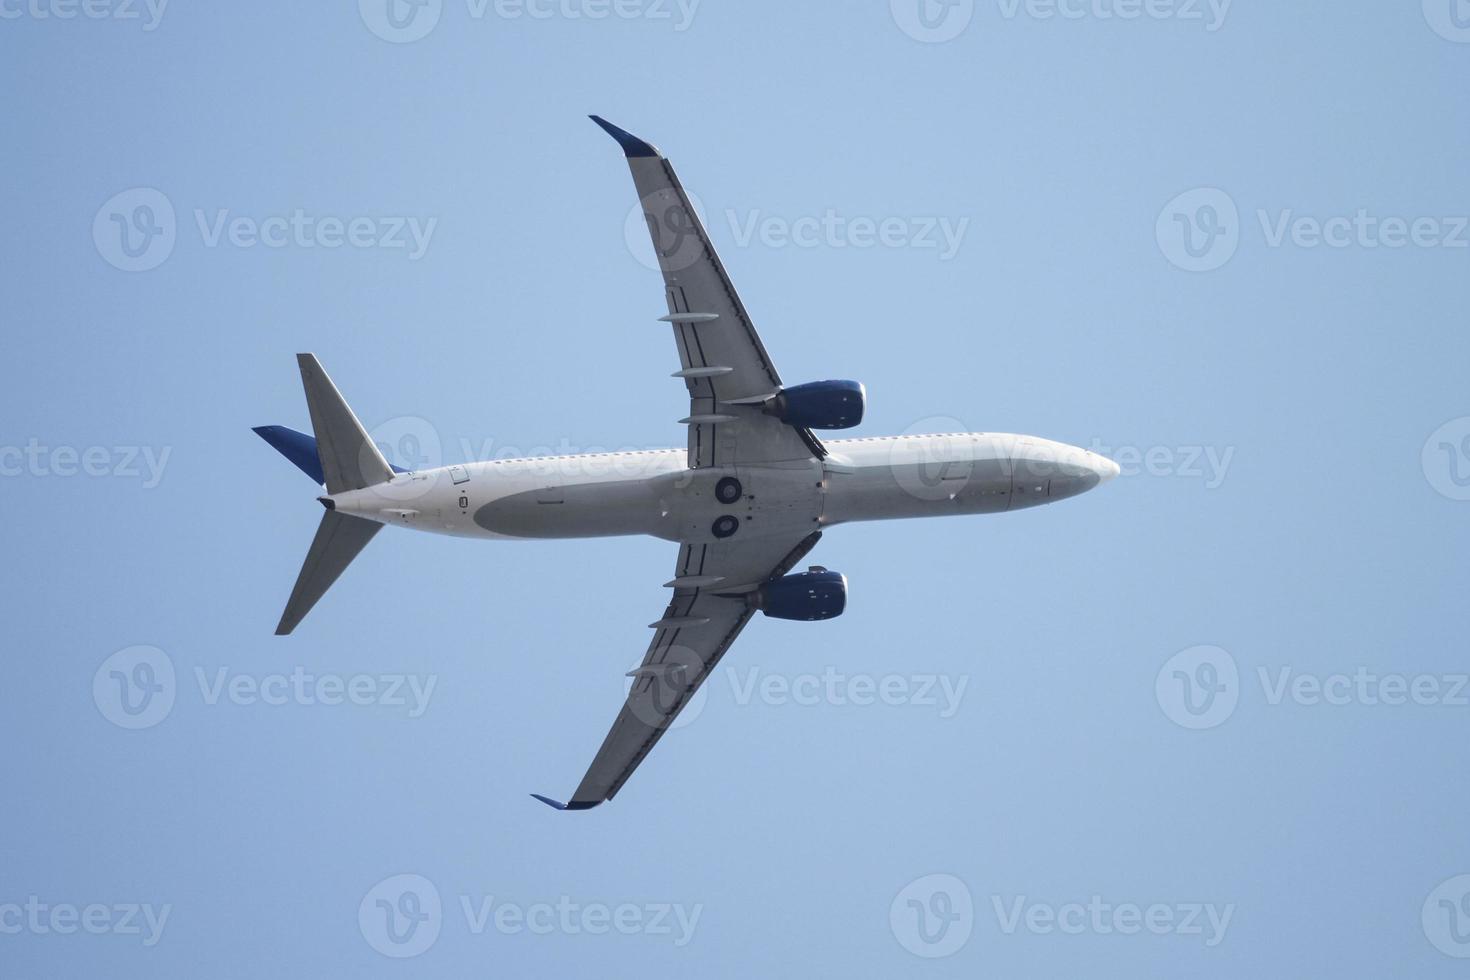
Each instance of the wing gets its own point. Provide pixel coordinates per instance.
(707, 613)
(722, 361)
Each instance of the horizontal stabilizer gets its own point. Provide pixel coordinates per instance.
(339, 539)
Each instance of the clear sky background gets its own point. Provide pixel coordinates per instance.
(1290, 415)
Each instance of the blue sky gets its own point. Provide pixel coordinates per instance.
(1206, 720)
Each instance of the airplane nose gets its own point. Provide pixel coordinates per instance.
(1046, 471)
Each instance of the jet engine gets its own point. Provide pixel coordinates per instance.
(820, 405)
(808, 596)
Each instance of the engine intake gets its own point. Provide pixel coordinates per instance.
(821, 405)
(808, 596)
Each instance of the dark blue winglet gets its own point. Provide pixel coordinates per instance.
(632, 145)
(574, 805)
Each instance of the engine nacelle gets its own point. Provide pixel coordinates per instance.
(821, 405)
(807, 596)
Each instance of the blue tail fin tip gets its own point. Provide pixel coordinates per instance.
(632, 145)
(298, 447)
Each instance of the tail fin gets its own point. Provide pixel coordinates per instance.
(339, 539)
(343, 458)
(349, 460)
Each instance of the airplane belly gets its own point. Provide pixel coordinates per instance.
(588, 510)
(735, 503)
(921, 477)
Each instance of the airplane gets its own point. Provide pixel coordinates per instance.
(745, 501)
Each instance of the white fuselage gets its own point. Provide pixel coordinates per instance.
(654, 492)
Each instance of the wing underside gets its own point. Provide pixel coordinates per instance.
(721, 358)
(698, 626)
(729, 377)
